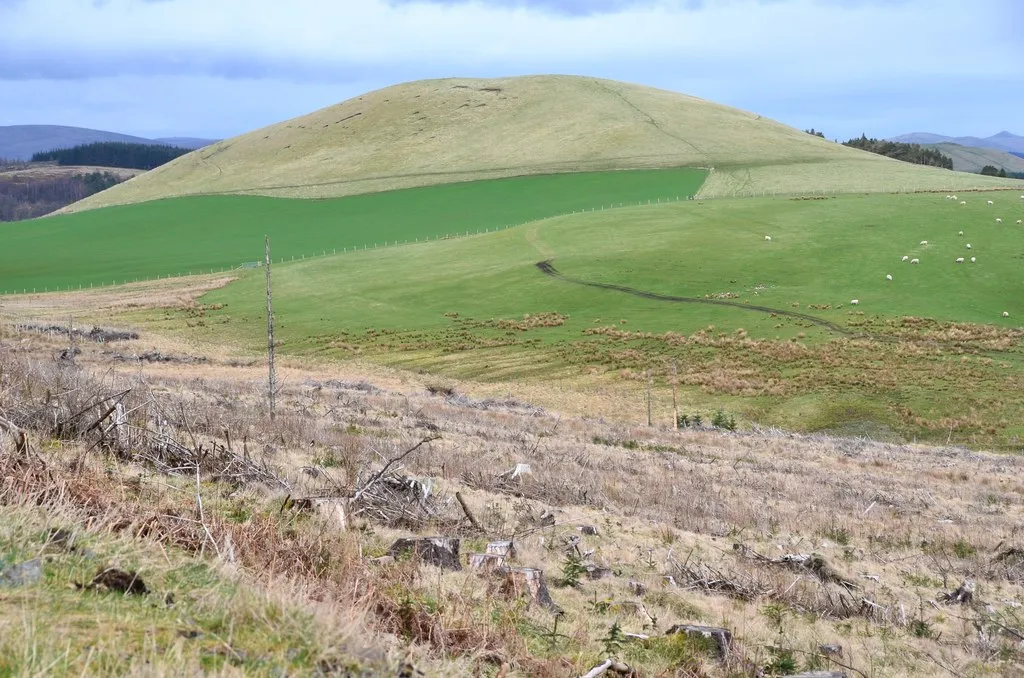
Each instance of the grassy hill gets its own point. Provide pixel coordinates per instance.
(971, 159)
(439, 131)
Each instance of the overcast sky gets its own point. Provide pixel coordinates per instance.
(216, 68)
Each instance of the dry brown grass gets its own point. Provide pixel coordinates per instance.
(902, 524)
(440, 131)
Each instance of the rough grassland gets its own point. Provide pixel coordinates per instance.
(674, 522)
(197, 234)
(439, 131)
(938, 358)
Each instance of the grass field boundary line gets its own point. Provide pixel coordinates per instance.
(547, 268)
(334, 251)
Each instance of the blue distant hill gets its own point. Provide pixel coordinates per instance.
(1019, 154)
(20, 142)
(1003, 141)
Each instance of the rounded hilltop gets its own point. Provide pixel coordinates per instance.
(459, 129)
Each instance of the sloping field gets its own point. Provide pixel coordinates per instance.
(205, 233)
(439, 131)
(765, 327)
(972, 159)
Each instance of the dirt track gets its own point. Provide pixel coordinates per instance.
(547, 268)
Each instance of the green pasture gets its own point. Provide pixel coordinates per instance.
(823, 252)
(200, 234)
(470, 307)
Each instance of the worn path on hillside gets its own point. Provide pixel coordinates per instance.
(547, 268)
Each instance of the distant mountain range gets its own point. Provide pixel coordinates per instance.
(1004, 141)
(19, 142)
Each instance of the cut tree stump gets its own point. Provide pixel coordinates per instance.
(440, 551)
(963, 595)
(528, 581)
(486, 562)
(332, 510)
(596, 572)
(722, 637)
(501, 548)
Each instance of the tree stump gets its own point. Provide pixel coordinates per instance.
(442, 552)
(528, 581)
(722, 637)
(501, 548)
(486, 562)
(963, 595)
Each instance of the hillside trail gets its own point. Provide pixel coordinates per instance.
(532, 234)
(547, 268)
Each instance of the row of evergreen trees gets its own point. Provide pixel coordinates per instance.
(113, 154)
(915, 153)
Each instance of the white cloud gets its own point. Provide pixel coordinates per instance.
(313, 38)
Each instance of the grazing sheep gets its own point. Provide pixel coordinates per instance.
(991, 203)
(1020, 221)
(973, 259)
(954, 197)
(905, 258)
(1005, 313)
(959, 260)
(968, 245)
(915, 261)
(960, 233)
(768, 237)
(888, 277)
(963, 202)
(924, 242)
(998, 220)
(854, 302)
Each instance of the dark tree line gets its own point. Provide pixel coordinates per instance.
(993, 171)
(915, 153)
(113, 154)
(815, 133)
(22, 198)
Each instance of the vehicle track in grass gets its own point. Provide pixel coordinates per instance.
(548, 269)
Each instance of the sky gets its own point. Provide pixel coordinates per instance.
(216, 68)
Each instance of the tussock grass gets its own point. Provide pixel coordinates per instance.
(440, 131)
(904, 524)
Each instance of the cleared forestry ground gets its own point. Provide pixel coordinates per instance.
(205, 233)
(931, 354)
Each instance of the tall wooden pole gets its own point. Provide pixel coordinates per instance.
(675, 396)
(272, 386)
(648, 397)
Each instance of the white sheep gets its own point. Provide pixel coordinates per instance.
(998, 220)
(968, 245)
(924, 242)
(1020, 221)
(854, 302)
(973, 259)
(888, 277)
(915, 261)
(960, 233)
(963, 202)
(954, 197)
(959, 260)
(905, 258)
(768, 238)
(991, 203)
(1005, 313)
